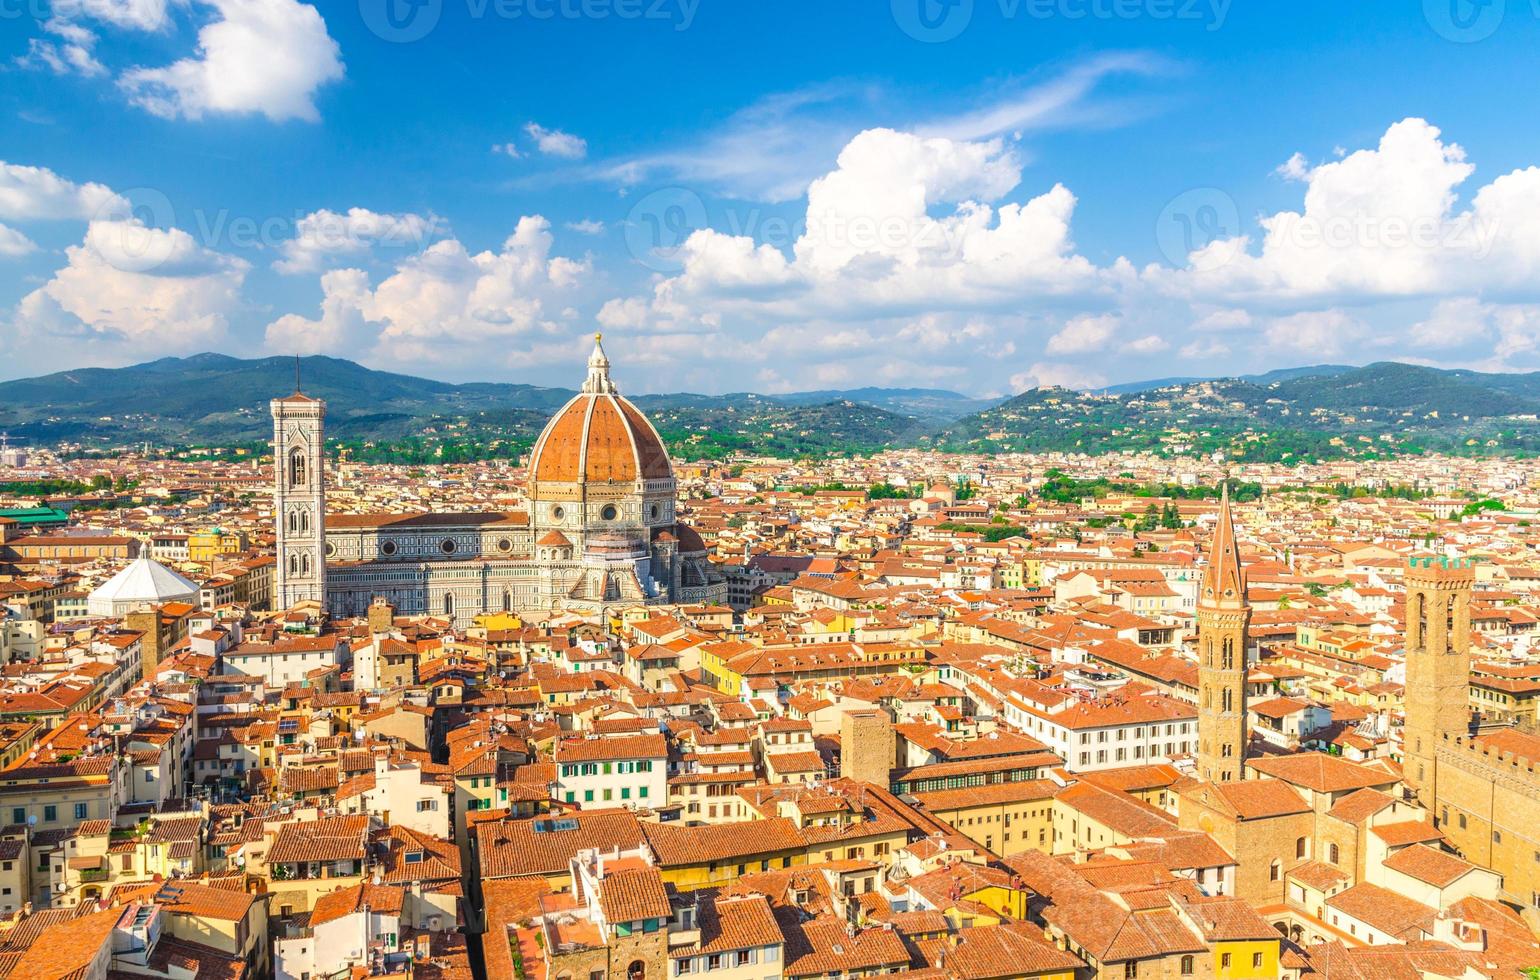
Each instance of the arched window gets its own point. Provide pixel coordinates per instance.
(304, 565)
(1226, 699)
(1299, 847)
(1449, 636)
(1187, 966)
(1420, 617)
(1227, 661)
(1274, 870)
(449, 603)
(507, 600)
(296, 467)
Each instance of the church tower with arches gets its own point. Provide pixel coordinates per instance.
(299, 499)
(1223, 620)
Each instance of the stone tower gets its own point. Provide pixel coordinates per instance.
(867, 746)
(1437, 666)
(299, 499)
(1223, 616)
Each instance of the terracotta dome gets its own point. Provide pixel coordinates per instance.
(599, 437)
(690, 540)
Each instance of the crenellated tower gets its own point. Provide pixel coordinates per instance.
(1438, 592)
(1223, 618)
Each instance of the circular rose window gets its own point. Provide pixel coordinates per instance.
(504, 545)
(388, 548)
(609, 512)
(448, 547)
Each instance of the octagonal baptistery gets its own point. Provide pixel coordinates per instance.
(599, 477)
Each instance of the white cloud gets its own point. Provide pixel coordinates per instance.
(34, 193)
(1083, 335)
(1451, 323)
(773, 149)
(259, 56)
(555, 143)
(341, 327)
(1379, 223)
(1049, 375)
(508, 150)
(323, 237)
(1204, 348)
(586, 227)
(1149, 344)
(445, 304)
(139, 15)
(1294, 168)
(13, 244)
(71, 54)
(874, 245)
(1315, 333)
(1223, 321)
(127, 285)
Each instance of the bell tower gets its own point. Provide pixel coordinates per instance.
(299, 498)
(1223, 618)
(1438, 592)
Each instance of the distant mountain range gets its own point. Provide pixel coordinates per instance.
(1328, 411)
(1309, 412)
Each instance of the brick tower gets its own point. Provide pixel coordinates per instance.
(1223, 616)
(1438, 594)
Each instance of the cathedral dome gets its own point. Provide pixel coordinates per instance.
(599, 437)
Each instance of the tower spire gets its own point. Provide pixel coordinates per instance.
(1223, 578)
(598, 382)
(297, 390)
(1223, 617)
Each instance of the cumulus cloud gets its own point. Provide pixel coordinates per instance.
(1378, 223)
(323, 237)
(902, 225)
(1205, 348)
(1083, 335)
(586, 227)
(1315, 333)
(126, 285)
(445, 303)
(1148, 344)
(555, 143)
(265, 57)
(33, 193)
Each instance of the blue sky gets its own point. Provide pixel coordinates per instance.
(981, 195)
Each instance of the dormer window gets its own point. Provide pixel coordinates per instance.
(413, 857)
